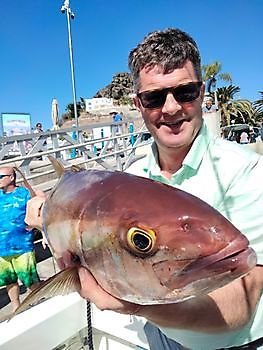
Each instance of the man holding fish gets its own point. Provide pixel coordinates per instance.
(166, 70)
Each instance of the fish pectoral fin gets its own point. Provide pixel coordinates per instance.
(64, 282)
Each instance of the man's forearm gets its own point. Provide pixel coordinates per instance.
(225, 309)
(198, 314)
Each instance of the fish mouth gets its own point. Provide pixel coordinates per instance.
(231, 252)
(221, 265)
(245, 258)
(232, 266)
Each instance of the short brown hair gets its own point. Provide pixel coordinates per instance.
(169, 49)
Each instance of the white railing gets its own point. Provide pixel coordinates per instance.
(72, 146)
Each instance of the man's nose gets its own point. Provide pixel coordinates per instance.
(171, 106)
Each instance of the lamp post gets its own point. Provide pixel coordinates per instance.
(70, 15)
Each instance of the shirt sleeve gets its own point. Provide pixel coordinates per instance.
(244, 204)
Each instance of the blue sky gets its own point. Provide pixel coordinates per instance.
(34, 55)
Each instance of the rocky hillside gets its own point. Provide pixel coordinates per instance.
(119, 89)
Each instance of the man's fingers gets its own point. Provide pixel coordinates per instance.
(34, 212)
(40, 193)
(91, 290)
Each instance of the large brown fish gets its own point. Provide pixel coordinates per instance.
(143, 241)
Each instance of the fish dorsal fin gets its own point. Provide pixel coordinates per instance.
(64, 282)
(26, 183)
(76, 168)
(58, 166)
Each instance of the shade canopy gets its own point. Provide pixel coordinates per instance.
(54, 114)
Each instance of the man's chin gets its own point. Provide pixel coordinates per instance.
(178, 144)
(174, 140)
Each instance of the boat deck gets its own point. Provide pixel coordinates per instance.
(61, 323)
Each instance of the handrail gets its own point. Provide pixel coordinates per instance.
(29, 152)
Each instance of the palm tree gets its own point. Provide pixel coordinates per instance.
(80, 108)
(211, 72)
(259, 103)
(239, 111)
(70, 114)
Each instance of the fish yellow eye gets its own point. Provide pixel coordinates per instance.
(140, 240)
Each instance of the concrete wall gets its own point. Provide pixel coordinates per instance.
(212, 120)
(257, 147)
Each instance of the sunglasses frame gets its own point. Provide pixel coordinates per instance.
(4, 175)
(173, 90)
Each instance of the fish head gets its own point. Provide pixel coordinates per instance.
(144, 241)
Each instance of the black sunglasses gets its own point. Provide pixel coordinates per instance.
(3, 175)
(182, 94)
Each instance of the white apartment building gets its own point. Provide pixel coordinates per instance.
(98, 103)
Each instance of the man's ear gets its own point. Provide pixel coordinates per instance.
(137, 103)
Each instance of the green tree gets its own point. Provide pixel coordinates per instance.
(258, 104)
(212, 72)
(240, 110)
(69, 115)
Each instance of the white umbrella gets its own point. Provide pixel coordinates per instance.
(54, 114)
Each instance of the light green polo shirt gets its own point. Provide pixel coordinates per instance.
(229, 177)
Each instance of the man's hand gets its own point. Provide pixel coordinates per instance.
(229, 308)
(91, 290)
(34, 210)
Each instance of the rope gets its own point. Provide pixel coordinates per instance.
(89, 339)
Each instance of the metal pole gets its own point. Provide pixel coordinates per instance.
(70, 15)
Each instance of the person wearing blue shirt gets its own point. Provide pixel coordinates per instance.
(116, 118)
(209, 107)
(17, 257)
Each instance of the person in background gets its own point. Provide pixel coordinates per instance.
(166, 71)
(116, 118)
(209, 107)
(244, 137)
(38, 128)
(252, 135)
(17, 257)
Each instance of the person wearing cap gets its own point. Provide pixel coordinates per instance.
(209, 107)
(116, 118)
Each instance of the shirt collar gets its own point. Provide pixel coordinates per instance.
(192, 159)
(198, 149)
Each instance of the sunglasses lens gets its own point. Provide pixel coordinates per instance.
(187, 93)
(153, 99)
(3, 175)
(182, 94)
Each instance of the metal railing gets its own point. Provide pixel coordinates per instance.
(29, 152)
